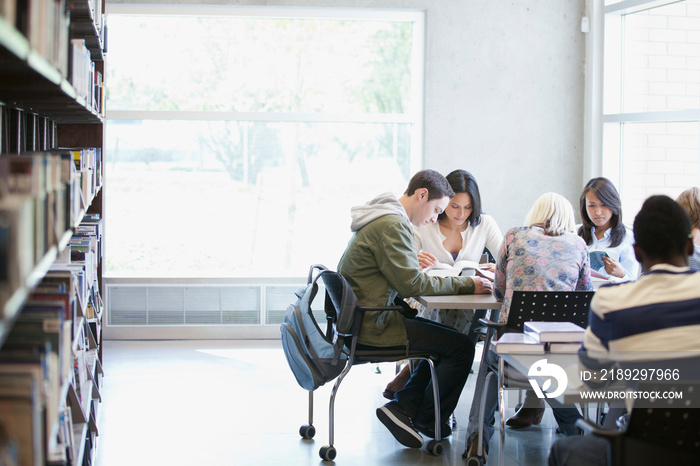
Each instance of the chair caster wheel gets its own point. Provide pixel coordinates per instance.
(307, 431)
(435, 447)
(475, 461)
(327, 453)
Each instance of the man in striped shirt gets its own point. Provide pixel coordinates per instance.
(645, 319)
(660, 311)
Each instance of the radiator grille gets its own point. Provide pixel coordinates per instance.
(187, 305)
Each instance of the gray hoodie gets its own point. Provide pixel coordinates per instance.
(384, 204)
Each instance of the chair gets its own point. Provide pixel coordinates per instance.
(665, 431)
(345, 316)
(555, 306)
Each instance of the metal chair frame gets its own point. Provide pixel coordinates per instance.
(340, 300)
(557, 306)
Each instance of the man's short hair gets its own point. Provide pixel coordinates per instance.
(662, 228)
(433, 181)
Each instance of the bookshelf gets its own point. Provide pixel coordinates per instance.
(52, 56)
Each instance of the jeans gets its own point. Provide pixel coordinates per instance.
(456, 353)
(565, 415)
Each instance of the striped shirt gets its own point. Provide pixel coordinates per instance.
(659, 312)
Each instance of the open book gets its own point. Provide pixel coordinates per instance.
(461, 268)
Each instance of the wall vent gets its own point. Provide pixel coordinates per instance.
(185, 305)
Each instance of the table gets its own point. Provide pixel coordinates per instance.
(576, 391)
(567, 361)
(460, 301)
(522, 362)
(479, 302)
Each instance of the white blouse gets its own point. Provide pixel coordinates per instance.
(429, 238)
(623, 253)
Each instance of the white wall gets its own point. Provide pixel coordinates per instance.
(504, 93)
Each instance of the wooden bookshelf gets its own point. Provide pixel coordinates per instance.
(51, 228)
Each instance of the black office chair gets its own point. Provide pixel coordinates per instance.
(665, 431)
(345, 315)
(526, 306)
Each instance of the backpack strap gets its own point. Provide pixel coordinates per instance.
(408, 312)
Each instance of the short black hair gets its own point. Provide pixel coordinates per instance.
(433, 181)
(662, 228)
(462, 181)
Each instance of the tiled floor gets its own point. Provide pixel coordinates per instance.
(236, 403)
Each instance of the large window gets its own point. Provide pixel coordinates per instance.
(651, 99)
(238, 140)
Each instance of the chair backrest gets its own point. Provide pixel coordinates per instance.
(554, 306)
(667, 430)
(341, 299)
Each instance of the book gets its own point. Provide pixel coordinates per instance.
(565, 348)
(559, 332)
(17, 249)
(21, 412)
(597, 259)
(486, 273)
(8, 11)
(518, 343)
(463, 268)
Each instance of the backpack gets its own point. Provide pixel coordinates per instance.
(312, 355)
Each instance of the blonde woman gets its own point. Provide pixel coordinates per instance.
(543, 255)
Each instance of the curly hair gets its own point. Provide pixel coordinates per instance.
(690, 201)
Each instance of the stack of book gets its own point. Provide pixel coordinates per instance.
(560, 337)
(540, 337)
(518, 343)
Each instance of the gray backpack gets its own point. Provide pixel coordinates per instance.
(317, 357)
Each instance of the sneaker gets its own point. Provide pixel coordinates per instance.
(400, 425)
(429, 431)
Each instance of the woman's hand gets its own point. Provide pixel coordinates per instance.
(488, 266)
(425, 259)
(613, 267)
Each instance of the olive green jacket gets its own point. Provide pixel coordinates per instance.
(381, 263)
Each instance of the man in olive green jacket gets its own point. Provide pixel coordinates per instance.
(380, 264)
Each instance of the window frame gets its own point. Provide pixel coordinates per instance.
(596, 118)
(414, 116)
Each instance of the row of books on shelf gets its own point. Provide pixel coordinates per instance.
(542, 337)
(49, 25)
(50, 374)
(45, 24)
(86, 81)
(82, 258)
(42, 198)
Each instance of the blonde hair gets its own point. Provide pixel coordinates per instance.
(690, 201)
(552, 212)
